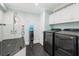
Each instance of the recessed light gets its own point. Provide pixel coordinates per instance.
(36, 4)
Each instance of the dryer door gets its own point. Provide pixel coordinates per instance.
(66, 44)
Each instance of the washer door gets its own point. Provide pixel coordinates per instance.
(48, 44)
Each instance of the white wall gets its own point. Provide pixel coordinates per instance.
(25, 19)
(40, 23)
(30, 19)
(8, 17)
(1, 22)
(7, 30)
(44, 21)
(66, 25)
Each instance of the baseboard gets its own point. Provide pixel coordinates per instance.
(26, 43)
(36, 41)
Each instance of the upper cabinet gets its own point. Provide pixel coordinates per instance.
(76, 12)
(68, 14)
(52, 19)
(1, 17)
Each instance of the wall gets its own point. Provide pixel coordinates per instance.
(8, 28)
(30, 19)
(1, 22)
(44, 21)
(66, 25)
(40, 23)
(22, 18)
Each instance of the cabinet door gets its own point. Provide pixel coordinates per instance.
(76, 12)
(52, 19)
(1, 17)
(62, 16)
(68, 14)
(55, 18)
(59, 17)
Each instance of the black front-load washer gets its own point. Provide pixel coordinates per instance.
(67, 43)
(49, 41)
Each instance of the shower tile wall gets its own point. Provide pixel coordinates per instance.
(8, 34)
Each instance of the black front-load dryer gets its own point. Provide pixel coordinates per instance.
(67, 43)
(49, 41)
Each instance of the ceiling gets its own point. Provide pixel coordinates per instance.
(32, 8)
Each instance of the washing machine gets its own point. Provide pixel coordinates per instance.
(49, 37)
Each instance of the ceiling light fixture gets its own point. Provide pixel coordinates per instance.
(36, 4)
